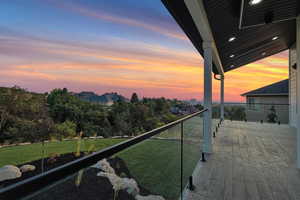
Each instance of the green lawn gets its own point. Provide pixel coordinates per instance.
(21, 154)
(156, 165)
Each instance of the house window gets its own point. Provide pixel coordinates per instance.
(251, 103)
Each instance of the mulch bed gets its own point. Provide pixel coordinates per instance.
(91, 187)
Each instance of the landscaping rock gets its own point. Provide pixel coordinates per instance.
(9, 172)
(118, 183)
(27, 168)
(104, 166)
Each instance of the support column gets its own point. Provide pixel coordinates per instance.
(222, 97)
(298, 90)
(207, 146)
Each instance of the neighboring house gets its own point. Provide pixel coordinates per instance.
(273, 98)
(183, 109)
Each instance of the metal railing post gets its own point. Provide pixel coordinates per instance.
(222, 97)
(181, 160)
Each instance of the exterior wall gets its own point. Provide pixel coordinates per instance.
(262, 105)
(270, 99)
(293, 87)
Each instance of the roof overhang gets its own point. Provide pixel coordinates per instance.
(259, 31)
(202, 25)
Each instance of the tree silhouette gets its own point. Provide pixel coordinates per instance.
(134, 98)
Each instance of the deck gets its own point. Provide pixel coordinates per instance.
(250, 161)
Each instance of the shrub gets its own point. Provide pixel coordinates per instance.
(65, 130)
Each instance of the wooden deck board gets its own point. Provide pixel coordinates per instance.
(251, 161)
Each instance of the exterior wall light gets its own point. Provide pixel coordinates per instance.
(254, 2)
(231, 39)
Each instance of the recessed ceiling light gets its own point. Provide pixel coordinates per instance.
(231, 56)
(275, 38)
(254, 2)
(231, 39)
(263, 53)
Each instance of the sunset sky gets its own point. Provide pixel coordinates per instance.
(122, 46)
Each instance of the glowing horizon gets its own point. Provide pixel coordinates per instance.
(121, 47)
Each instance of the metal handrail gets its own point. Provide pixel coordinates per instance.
(36, 183)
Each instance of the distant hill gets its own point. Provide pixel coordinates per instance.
(107, 98)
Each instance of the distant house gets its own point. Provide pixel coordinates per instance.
(271, 98)
(183, 109)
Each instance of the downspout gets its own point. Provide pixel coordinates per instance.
(216, 78)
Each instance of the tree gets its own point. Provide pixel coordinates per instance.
(134, 98)
(23, 116)
(65, 130)
(32, 117)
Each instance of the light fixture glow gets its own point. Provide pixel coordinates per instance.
(275, 38)
(231, 66)
(263, 53)
(231, 39)
(254, 2)
(232, 56)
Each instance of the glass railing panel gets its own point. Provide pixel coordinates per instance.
(156, 167)
(156, 164)
(235, 112)
(151, 167)
(270, 113)
(216, 114)
(192, 145)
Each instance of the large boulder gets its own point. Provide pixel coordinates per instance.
(9, 172)
(27, 168)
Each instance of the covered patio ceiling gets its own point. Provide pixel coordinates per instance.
(244, 31)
